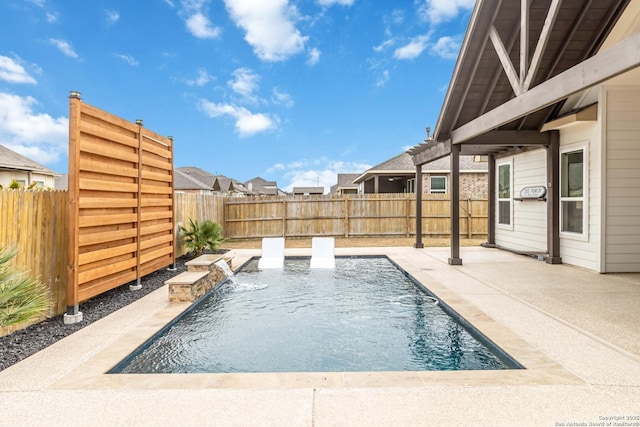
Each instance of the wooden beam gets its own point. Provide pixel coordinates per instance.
(418, 244)
(503, 55)
(553, 199)
(543, 39)
(524, 41)
(597, 69)
(454, 192)
(431, 152)
(510, 138)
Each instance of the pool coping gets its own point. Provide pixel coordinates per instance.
(154, 311)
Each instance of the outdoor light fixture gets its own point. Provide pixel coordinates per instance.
(75, 94)
(139, 122)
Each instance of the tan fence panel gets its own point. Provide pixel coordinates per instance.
(34, 223)
(197, 207)
(120, 202)
(389, 215)
(254, 217)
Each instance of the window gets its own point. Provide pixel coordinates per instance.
(411, 185)
(504, 194)
(438, 184)
(572, 180)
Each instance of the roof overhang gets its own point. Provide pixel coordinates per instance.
(505, 88)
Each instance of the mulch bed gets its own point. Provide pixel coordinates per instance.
(23, 343)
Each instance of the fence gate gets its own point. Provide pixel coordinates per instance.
(120, 203)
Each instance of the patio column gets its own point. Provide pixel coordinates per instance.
(491, 221)
(455, 205)
(376, 180)
(553, 198)
(418, 243)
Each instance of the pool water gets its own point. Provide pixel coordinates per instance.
(364, 315)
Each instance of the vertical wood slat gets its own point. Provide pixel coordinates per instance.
(72, 204)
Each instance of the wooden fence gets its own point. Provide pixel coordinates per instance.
(120, 213)
(196, 207)
(34, 223)
(382, 215)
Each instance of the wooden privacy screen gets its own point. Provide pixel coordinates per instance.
(120, 212)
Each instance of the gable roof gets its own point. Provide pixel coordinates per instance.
(262, 186)
(199, 175)
(485, 105)
(403, 164)
(9, 159)
(185, 181)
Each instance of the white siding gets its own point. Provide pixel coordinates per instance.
(622, 227)
(585, 251)
(529, 231)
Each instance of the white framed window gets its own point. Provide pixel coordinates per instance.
(505, 195)
(573, 191)
(437, 184)
(411, 185)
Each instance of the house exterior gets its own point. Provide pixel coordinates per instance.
(191, 179)
(307, 191)
(261, 187)
(184, 182)
(345, 184)
(398, 175)
(558, 115)
(14, 166)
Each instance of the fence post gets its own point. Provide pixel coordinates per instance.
(346, 215)
(469, 233)
(284, 218)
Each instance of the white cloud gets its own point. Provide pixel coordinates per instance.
(64, 47)
(436, 11)
(269, 27)
(35, 135)
(52, 17)
(282, 98)
(447, 47)
(203, 78)
(129, 59)
(245, 83)
(200, 26)
(413, 49)
(12, 72)
(385, 44)
(321, 172)
(314, 56)
(247, 123)
(383, 79)
(112, 16)
(332, 2)
(170, 3)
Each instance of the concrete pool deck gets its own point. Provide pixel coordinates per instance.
(576, 332)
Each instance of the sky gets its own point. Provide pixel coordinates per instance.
(293, 91)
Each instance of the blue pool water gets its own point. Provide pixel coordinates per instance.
(364, 315)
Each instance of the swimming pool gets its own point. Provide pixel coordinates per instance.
(364, 315)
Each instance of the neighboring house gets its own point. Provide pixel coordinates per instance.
(184, 182)
(14, 166)
(398, 175)
(345, 184)
(262, 187)
(558, 115)
(300, 191)
(191, 179)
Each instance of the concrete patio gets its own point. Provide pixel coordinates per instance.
(576, 332)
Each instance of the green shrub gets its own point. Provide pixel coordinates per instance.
(201, 236)
(22, 297)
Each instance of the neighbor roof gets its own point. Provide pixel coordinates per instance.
(403, 164)
(9, 159)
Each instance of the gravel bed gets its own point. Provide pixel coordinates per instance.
(22, 344)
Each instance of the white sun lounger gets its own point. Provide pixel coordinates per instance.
(323, 252)
(272, 253)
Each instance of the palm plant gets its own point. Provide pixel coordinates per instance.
(23, 298)
(202, 235)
